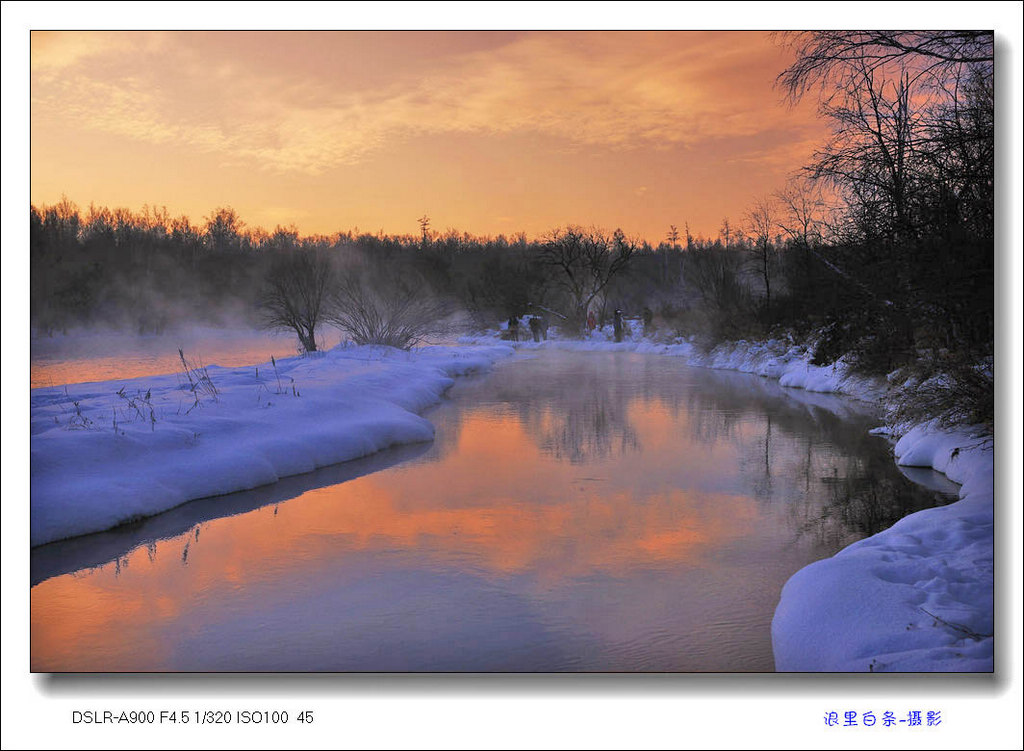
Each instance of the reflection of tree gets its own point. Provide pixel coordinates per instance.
(809, 454)
(867, 499)
(838, 482)
(580, 415)
(573, 407)
(590, 428)
(763, 484)
(720, 401)
(781, 441)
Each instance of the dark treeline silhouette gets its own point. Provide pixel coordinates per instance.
(881, 251)
(912, 161)
(142, 271)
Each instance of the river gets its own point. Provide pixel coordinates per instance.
(575, 512)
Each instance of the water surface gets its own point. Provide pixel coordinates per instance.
(576, 512)
(92, 356)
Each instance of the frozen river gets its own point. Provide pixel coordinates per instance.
(575, 512)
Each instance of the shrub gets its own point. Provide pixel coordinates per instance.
(396, 309)
(951, 393)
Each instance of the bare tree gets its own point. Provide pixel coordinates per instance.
(828, 59)
(673, 239)
(802, 215)
(871, 155)
(726, 231)
(587, 260)
(802, 211)
(424, 222)
(912, 156)
(673, 236)
(715, 275)
(762, 221)
(224, 230)
(912, 122)
(296, 294)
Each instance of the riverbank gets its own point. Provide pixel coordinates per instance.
(916, 597)
(110, 452)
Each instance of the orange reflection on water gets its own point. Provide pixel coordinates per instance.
(497, 506)
(88, 358)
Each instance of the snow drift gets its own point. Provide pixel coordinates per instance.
(915, 597)
(106, 453)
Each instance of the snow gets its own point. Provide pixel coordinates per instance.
(88, 475)
(788, 363)
(915, 597)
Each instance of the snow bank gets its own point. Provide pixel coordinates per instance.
(109, 452)
(916, 597)
(791, 365)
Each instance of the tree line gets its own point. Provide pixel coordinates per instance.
(143, 270)
(881, 250)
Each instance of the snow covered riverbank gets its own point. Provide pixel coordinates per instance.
(788, 363)
(108, 452)
(915, 597)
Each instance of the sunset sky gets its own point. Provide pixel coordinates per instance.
(485, 132)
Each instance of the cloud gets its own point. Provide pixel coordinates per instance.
(55, 51)
(617, 91)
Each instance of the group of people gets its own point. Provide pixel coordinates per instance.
(538, 327)
(617, 323)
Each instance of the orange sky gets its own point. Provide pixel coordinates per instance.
(485, 132)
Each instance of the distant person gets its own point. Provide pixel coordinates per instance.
(618, 325)
(591, 322)
(648, 320)
(544, 327)
(513, 328)
(535, 328)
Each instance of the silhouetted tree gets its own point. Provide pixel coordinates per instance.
(726, 231)
(584, 262)
(424, 222)
(762, 220)
(827, 59)
(224, 230)
(296, 294)
(801, 211)
(912, 157)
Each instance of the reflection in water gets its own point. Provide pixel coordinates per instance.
(96, 549)
(108, 357)
(576, 512)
